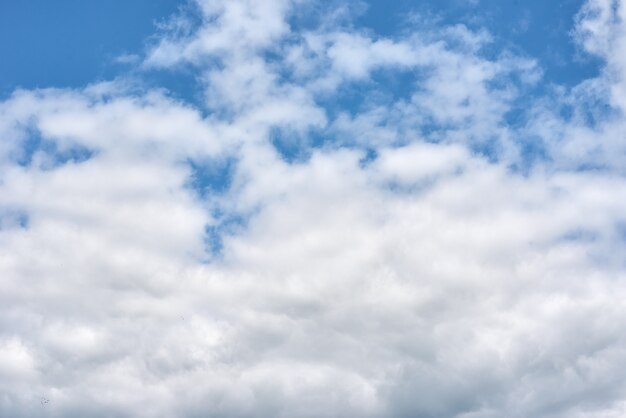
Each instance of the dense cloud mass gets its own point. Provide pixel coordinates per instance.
(280, 251)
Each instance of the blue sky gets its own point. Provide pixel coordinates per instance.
(70, 43)
(297, 208)
(538, 28)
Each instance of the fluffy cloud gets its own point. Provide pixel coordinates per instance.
(402, 264)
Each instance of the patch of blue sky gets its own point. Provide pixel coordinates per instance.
(182, 84)
(12, 219)
(41, 48)
(532, 151)
(384, 87)
(489, 148)
(294, 147)
(535, 28)
(369, 156)
(211, 177)
(226, 224)
(594, 111)
(291, 146)
(71, 43)
(49, 153)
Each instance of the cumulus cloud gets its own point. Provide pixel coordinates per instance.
(400, 264)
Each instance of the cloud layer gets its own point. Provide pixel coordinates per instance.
(316, 238)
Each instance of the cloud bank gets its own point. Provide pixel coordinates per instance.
(316, 239)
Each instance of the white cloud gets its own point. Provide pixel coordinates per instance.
(228, 28)
(427, 281)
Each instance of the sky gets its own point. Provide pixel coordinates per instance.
(300, 208)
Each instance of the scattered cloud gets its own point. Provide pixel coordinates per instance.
(404, 265)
